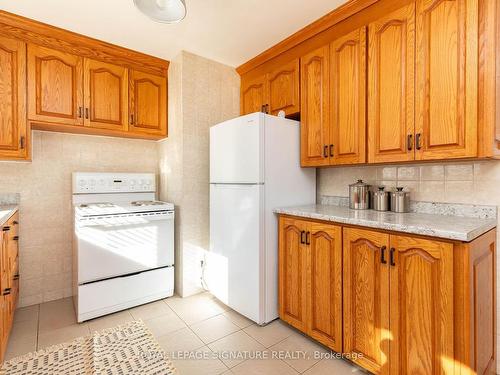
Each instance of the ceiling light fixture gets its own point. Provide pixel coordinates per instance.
(165, 11)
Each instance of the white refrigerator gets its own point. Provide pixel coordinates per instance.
(254, 167)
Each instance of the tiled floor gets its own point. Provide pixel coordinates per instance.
(201, 335)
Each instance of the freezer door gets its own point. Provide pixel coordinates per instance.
(236, 150)
(236, 242)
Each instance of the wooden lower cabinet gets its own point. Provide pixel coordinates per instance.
(366, 298)
(310, 279)
(9, 280)
(393, 304)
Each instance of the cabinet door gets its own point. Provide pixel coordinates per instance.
(391, 91)
(253, 95)
(348, 97)
(292, 272)
(13, 132)
(366, 298)
(324, 265)
(106, 95)
(55, 86)
(421, 294)
(147, 103)
(283, 85)
(314, 111)
(447, 78)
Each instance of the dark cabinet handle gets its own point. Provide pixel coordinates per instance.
(263, 108)
(267, 108)
(331, 151)
(6, 291)
(308, 238)
(132, 119)
(6, 229)
(302, 241)
(391, 256)
(410, 142)
(86, 113)
(325, 151)
(22, 142)
(16, 277)
(418, 137)
(15, 238)
(15, 222)
(382, 255)
(80, 112)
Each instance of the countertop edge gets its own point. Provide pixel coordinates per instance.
(11, 208)
(448, 235)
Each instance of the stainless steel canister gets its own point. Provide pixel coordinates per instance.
(381, 199)
(400, 200)
(359, 196)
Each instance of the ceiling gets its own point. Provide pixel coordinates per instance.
(228, 31)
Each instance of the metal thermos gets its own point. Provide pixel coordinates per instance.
(400, 200)
(381, 199)
(359, 196)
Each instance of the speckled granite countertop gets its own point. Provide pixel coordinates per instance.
(7, 211)
(450, 227)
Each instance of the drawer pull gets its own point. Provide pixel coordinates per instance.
(6, 291)
(382, 255)
(6, 229)
(15, 238)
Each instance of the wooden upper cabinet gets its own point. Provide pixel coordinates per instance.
(55, 86)
(106, 95)
(292, 272)
(391, 91)
(366, 298)
(253, 95)
(422, 313)
(314, 108)
(446, 78)
(147, 103)
(283, 86)
(348, 97)
(325, 280)
(13, 126)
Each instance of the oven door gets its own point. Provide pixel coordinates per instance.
(118, 245)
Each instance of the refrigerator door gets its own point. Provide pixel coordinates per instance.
(236, 150)
(235, 261)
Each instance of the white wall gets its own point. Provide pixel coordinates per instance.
(202, 93)
(44, 185)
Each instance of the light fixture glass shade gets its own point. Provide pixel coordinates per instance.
(166, 11)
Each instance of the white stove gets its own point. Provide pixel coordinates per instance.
(123, 243)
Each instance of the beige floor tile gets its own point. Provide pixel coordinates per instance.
(214, 328)
(57, 314)
(333, 366)
(196, 308)
(165, 324)
(263, 367)
(235, 348)
(26, 313)
(151, 310)
(61, 335)
(26, 330)
(110, 321)
(19, 347)
(238, 319)
(199, 362)
(299, 351)
(270, 334)
(182, 340)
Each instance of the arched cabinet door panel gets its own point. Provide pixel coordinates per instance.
(366, 298)
(421, 295)
(254, 95)
(14, 142)
(391, 87)
(55, 86)
(314, 108)
(446, 78)
(284, 90)
(106, 95)
(147, 103)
